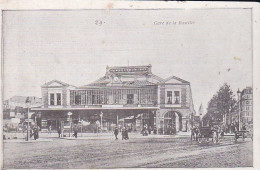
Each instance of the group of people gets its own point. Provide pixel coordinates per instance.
(75, 132)
(34, 132)
(124, 133)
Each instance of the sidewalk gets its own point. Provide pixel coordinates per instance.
(91, 136)
(30, 141)
(43, 136)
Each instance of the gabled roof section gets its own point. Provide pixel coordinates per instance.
(55, 83)
(174, 79)
(138, 83)
(159, 79)
(99, 82)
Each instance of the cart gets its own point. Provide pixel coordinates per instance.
(205, 134)
(243, 134)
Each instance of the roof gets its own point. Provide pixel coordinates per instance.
(102, 83)
(55, 81)
(156, 77)
(138, 83)
(174, 77)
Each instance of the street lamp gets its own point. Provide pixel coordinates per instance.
(101, 116)
(28, 105)
(239, 98)
(70, 114)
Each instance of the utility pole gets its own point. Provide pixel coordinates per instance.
(28, 135)
(117, 120)
(239, 97)
(28, 104)
(101, 115)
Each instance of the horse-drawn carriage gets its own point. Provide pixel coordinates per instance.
(200, 134)
(243, 134)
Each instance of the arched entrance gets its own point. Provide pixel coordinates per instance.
(172, 122)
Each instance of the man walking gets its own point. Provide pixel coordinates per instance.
(75, 134)
(126, 134)
(116, 133)
(123, 133)
(59, 131)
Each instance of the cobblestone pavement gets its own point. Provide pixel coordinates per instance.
(136, 152)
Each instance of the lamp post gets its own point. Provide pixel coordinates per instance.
(101, 116)
(70, 114)
(28, 105)
(239, 98)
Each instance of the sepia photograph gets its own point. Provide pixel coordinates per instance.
(128, 87)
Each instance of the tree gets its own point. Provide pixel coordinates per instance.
(221, 105)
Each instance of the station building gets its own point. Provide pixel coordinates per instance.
(131, 94)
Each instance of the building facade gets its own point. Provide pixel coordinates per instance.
(247, 105)
(131, 92)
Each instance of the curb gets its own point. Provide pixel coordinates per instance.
(31, 141)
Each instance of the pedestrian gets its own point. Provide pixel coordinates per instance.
(126, 134)
(116, 133)
(149, 130)
(123, 133)
(75, 132)
(49, 130)
(35, 133)
(59, 131)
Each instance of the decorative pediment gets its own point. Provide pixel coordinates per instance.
(55, 83)
(174, 80)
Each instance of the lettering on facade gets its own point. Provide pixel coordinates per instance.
(125, 70)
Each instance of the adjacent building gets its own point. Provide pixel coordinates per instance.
(247, 105)
(131, 94)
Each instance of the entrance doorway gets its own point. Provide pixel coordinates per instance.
(172, 123)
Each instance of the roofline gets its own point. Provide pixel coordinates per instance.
(184, 81)
(65, 84)
(116, 87)
(95, 108)
(149, 65)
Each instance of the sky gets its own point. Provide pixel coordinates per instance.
(73, 47)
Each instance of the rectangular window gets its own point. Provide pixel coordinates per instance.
(72, 97)
(58, 99)
(176, 97)
(169, 97)
(130, 98)
(94, 99)
(52, 99)
(78, 99)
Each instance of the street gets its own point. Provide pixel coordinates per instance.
(136, 152)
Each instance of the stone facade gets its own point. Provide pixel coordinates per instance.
(136, 88)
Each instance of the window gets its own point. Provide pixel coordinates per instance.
(58, 98)
(177, 97)
(52, 99)
(169, 97)
(78, 99)
(130, 98)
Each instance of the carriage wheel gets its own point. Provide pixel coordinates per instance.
(235, 137)
(214, 137)
(191, 138)
(199, 138)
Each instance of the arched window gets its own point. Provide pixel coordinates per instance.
(169, 115)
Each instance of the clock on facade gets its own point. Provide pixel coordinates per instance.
(115, 79)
